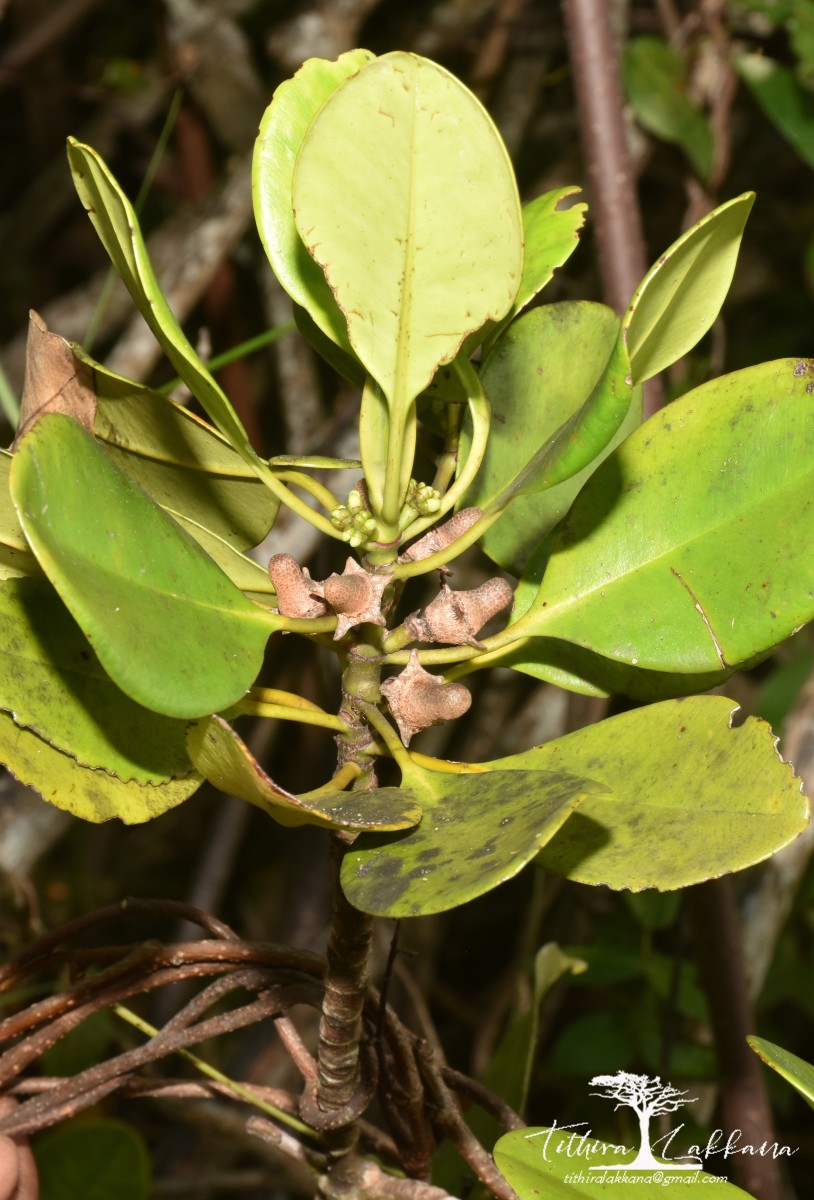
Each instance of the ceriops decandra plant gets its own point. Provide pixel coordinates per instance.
(646, 559)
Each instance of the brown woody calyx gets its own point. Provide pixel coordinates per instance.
(442, 535)
(356, 597)
(418, 699)
(456, 618)
(298, 595)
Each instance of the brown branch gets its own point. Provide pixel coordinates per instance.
(450, 1121)
(416, 1089)
(744, 1103)
(301, 1057)
(86, 1088)
(595, 64)
(340, 1028)
(503, 1113)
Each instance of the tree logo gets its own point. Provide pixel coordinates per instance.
(648, 1098)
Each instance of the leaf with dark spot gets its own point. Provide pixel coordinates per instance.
(462, 848)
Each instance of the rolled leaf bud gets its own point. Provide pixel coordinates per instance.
(298, 595)
(442, 535)
(356, 597)
(456, 618)
(418, 699)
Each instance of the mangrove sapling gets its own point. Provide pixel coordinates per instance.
(649, 559)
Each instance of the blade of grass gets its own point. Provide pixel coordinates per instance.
(9, 403)
(250, 346)
(271, 1110)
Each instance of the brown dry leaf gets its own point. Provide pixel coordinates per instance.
(55, 380)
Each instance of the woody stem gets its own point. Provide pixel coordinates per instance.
(340, 1029)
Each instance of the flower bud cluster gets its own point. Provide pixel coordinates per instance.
(354, 519)
(421, 500)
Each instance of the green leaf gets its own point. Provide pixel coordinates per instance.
(168, 626)
(509, 1074)
(555, 1164)
(93, 1160)
(343, 361)
(689, 797)
(581, 439)
(680, 297)
(579, 670)
(674, 305)
(188, 468)
(52, 683)
(595, 1043)
(794, 1070)
(243, 571)
(286, 121)
(86, 792)
(654, 78)
(224, 759)
(118, 228)
(404, 194)
(689, 549)
(184, 464)
(538, 376)
(550, 236)
(783, 685)
(16, 559)
(784, 100)
(496, 821)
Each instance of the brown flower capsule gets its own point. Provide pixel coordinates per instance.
(298, 595)
(442, 535)
(356, 597)
(456, 618)
(418, 699)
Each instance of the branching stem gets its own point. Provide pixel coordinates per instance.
(284, 712)
(314, 488)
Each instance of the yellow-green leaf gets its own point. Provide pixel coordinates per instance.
(689, 796)
(285, 123)
(52, 683)
(225, 760)
(91, 794)
(405, 196)
(796, 1071)
(118, 228)
(478, 829)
